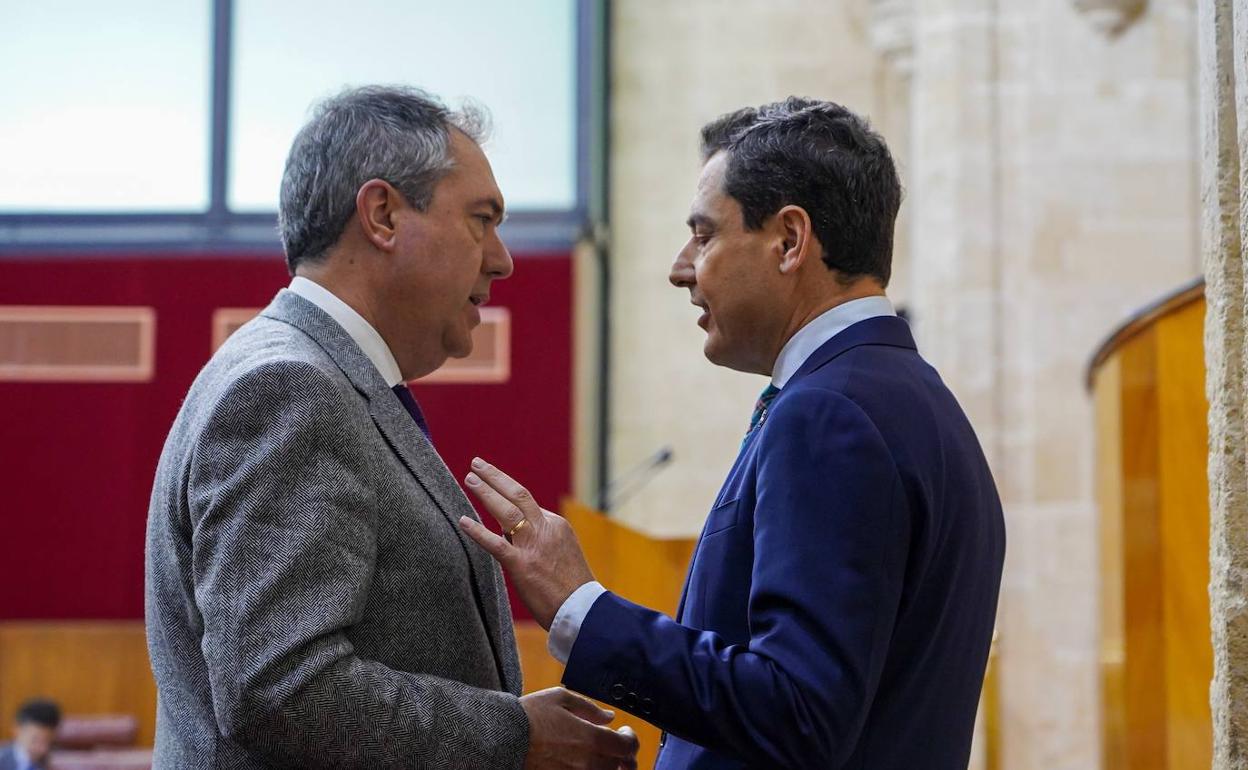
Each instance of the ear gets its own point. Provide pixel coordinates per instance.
(799, 242)
(376, 203)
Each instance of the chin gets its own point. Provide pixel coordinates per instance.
(720, 355)
(715, 353)
(460, 347)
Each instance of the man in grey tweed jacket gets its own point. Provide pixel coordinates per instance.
(311, 601)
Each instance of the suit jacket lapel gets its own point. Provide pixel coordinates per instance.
(426, 465)
(414, 449)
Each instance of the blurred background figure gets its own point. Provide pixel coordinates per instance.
(35, 731)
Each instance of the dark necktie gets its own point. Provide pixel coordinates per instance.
(760, 408)
(413, 408)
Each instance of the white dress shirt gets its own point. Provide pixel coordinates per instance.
(567, 623)
(354, 325)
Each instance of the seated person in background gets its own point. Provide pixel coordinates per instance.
(37, 721)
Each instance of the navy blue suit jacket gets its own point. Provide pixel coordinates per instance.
(840, 602)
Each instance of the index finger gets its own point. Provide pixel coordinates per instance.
(509, 488)
(616, 744)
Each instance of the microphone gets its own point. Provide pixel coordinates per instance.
(632, 482)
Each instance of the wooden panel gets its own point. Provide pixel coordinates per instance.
(1153, 494)
(77, 344)
(227, 320)
(1108, 396)
(1144, 675)
(540, 669)
(642, 569)
(989, 714)
(1184, 523)
(88, 668)
(489, 362)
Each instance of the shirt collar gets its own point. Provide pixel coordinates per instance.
(824, 327)
(22, 758)
(370, 342)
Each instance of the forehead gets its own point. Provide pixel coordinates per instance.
(472, 173)
(709, 200)
(711, 180)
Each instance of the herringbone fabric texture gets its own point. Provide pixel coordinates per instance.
(409, 403)
(310, 600)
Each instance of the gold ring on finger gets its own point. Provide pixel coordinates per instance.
(519, 526)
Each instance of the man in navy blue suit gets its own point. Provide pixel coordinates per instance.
(840, 602)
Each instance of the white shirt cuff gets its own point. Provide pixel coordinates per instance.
(568, 620)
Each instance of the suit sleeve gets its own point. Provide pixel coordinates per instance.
(284, 544)
(830, 534)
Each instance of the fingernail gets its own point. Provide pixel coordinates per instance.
(472, 479)
(478, 463)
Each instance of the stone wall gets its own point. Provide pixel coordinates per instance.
(1224, 177)
(1051, 180)
(676, 66)
(1041, 220)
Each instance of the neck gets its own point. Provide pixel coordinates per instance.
(345, 285)
(812, 310)
(812, 305)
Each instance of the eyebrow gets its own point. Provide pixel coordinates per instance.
(495, 205)
(696, 220)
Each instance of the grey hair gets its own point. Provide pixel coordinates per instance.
(397, 134)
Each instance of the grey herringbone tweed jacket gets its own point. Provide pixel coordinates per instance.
(310, 599)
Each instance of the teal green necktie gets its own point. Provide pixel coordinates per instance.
(760, 408)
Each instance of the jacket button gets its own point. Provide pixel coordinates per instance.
(630, 701)
(618, 692)
(647, 706)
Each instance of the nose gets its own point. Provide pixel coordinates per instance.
(682, 276)
(497, 263)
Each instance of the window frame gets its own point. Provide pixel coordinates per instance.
(218, 230)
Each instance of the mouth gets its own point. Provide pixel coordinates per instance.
(705, 318)
(479, 299)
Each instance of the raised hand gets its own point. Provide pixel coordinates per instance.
(540, 551)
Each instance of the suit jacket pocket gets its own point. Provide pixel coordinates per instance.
(721, 517)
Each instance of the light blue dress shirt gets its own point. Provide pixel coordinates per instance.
(23, 759)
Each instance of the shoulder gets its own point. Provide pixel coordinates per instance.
(814, 425)
(268, 364)
(876, 380)
(811, 403)
(266, 346)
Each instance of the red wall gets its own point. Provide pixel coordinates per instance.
(77, 459)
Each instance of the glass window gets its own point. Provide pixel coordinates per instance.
(518, 59)
(104, 107)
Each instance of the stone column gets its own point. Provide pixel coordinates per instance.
(889, 29)
(1039, 139)
(952, 284)
(1224, 177)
